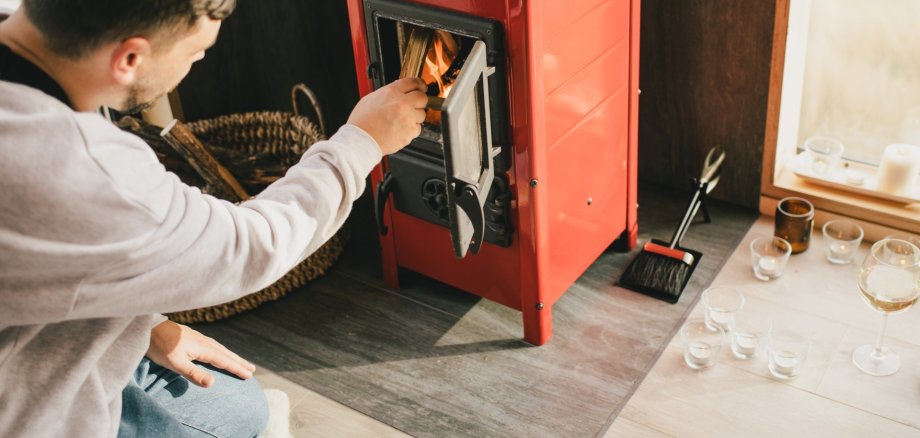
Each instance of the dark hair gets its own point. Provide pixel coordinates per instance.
(73, 28)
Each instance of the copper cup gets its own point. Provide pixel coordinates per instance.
(794, 220)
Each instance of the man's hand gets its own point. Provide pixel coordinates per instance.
(175, 346)
(393, 114)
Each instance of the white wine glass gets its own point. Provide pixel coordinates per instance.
(889, 280)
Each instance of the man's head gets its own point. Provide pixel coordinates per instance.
(138, 49)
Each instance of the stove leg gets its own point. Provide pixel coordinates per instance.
(391, 276)
(626, 241)
(538, 324)
(388, 261)
(389, 265)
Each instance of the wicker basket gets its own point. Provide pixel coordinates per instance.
(284, 137)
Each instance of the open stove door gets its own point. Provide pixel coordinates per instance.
(468, 151)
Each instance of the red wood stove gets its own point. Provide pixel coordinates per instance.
(532, 165)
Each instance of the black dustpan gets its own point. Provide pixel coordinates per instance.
(662, 269)
(627, 281)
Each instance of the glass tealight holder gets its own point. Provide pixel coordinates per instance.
(824, 152)
(720, 304)
(787, 353)
(769, 256)
(749, 332)
(841, 240)
(702, 343)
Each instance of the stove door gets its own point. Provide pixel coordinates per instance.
(468, 151)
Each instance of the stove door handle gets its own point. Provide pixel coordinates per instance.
(384, 187)
(468, 201)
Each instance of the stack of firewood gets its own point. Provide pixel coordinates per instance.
(221, 171)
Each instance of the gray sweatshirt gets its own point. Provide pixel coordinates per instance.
(96, 238)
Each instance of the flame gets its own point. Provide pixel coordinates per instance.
(441, 55)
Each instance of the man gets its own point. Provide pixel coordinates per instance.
(97, 239)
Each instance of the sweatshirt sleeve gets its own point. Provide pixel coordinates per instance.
(201, 251)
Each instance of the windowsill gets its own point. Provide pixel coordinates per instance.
(878, 217)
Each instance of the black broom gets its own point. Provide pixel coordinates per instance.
(661, 269)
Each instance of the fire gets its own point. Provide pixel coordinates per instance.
(437, 69)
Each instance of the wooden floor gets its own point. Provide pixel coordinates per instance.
(358, 359)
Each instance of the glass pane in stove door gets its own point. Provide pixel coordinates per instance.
(465, 126)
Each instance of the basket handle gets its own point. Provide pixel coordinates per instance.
(313, 101)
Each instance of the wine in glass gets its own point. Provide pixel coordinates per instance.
(889, 280)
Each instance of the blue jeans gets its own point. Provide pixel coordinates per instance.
(161, 403)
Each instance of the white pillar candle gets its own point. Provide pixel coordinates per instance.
(898, 172)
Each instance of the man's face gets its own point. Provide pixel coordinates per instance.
(169, 64)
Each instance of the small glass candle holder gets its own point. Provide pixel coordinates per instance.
(795, 217)
(841, 240)
(702, 343)
(915, 240)
(769, 256)
(749, 332)
(825, 152)
(909, 238)
(787, 353)
(720, 304)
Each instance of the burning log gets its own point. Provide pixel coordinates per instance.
(432, 56)
(439, 62)
(416, 51)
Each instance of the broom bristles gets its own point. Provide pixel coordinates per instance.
(655, 273)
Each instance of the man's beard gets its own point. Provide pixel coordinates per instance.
(132, 104)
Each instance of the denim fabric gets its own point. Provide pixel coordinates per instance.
(161, 403)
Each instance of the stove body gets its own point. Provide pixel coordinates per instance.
(554, 97)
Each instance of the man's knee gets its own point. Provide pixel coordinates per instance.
(231, 407)
(257, 403)
(239, 404)
(245, 406)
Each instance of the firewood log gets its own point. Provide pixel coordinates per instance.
(416, 50)
(223, 183)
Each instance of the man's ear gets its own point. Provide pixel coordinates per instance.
(127, 58)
